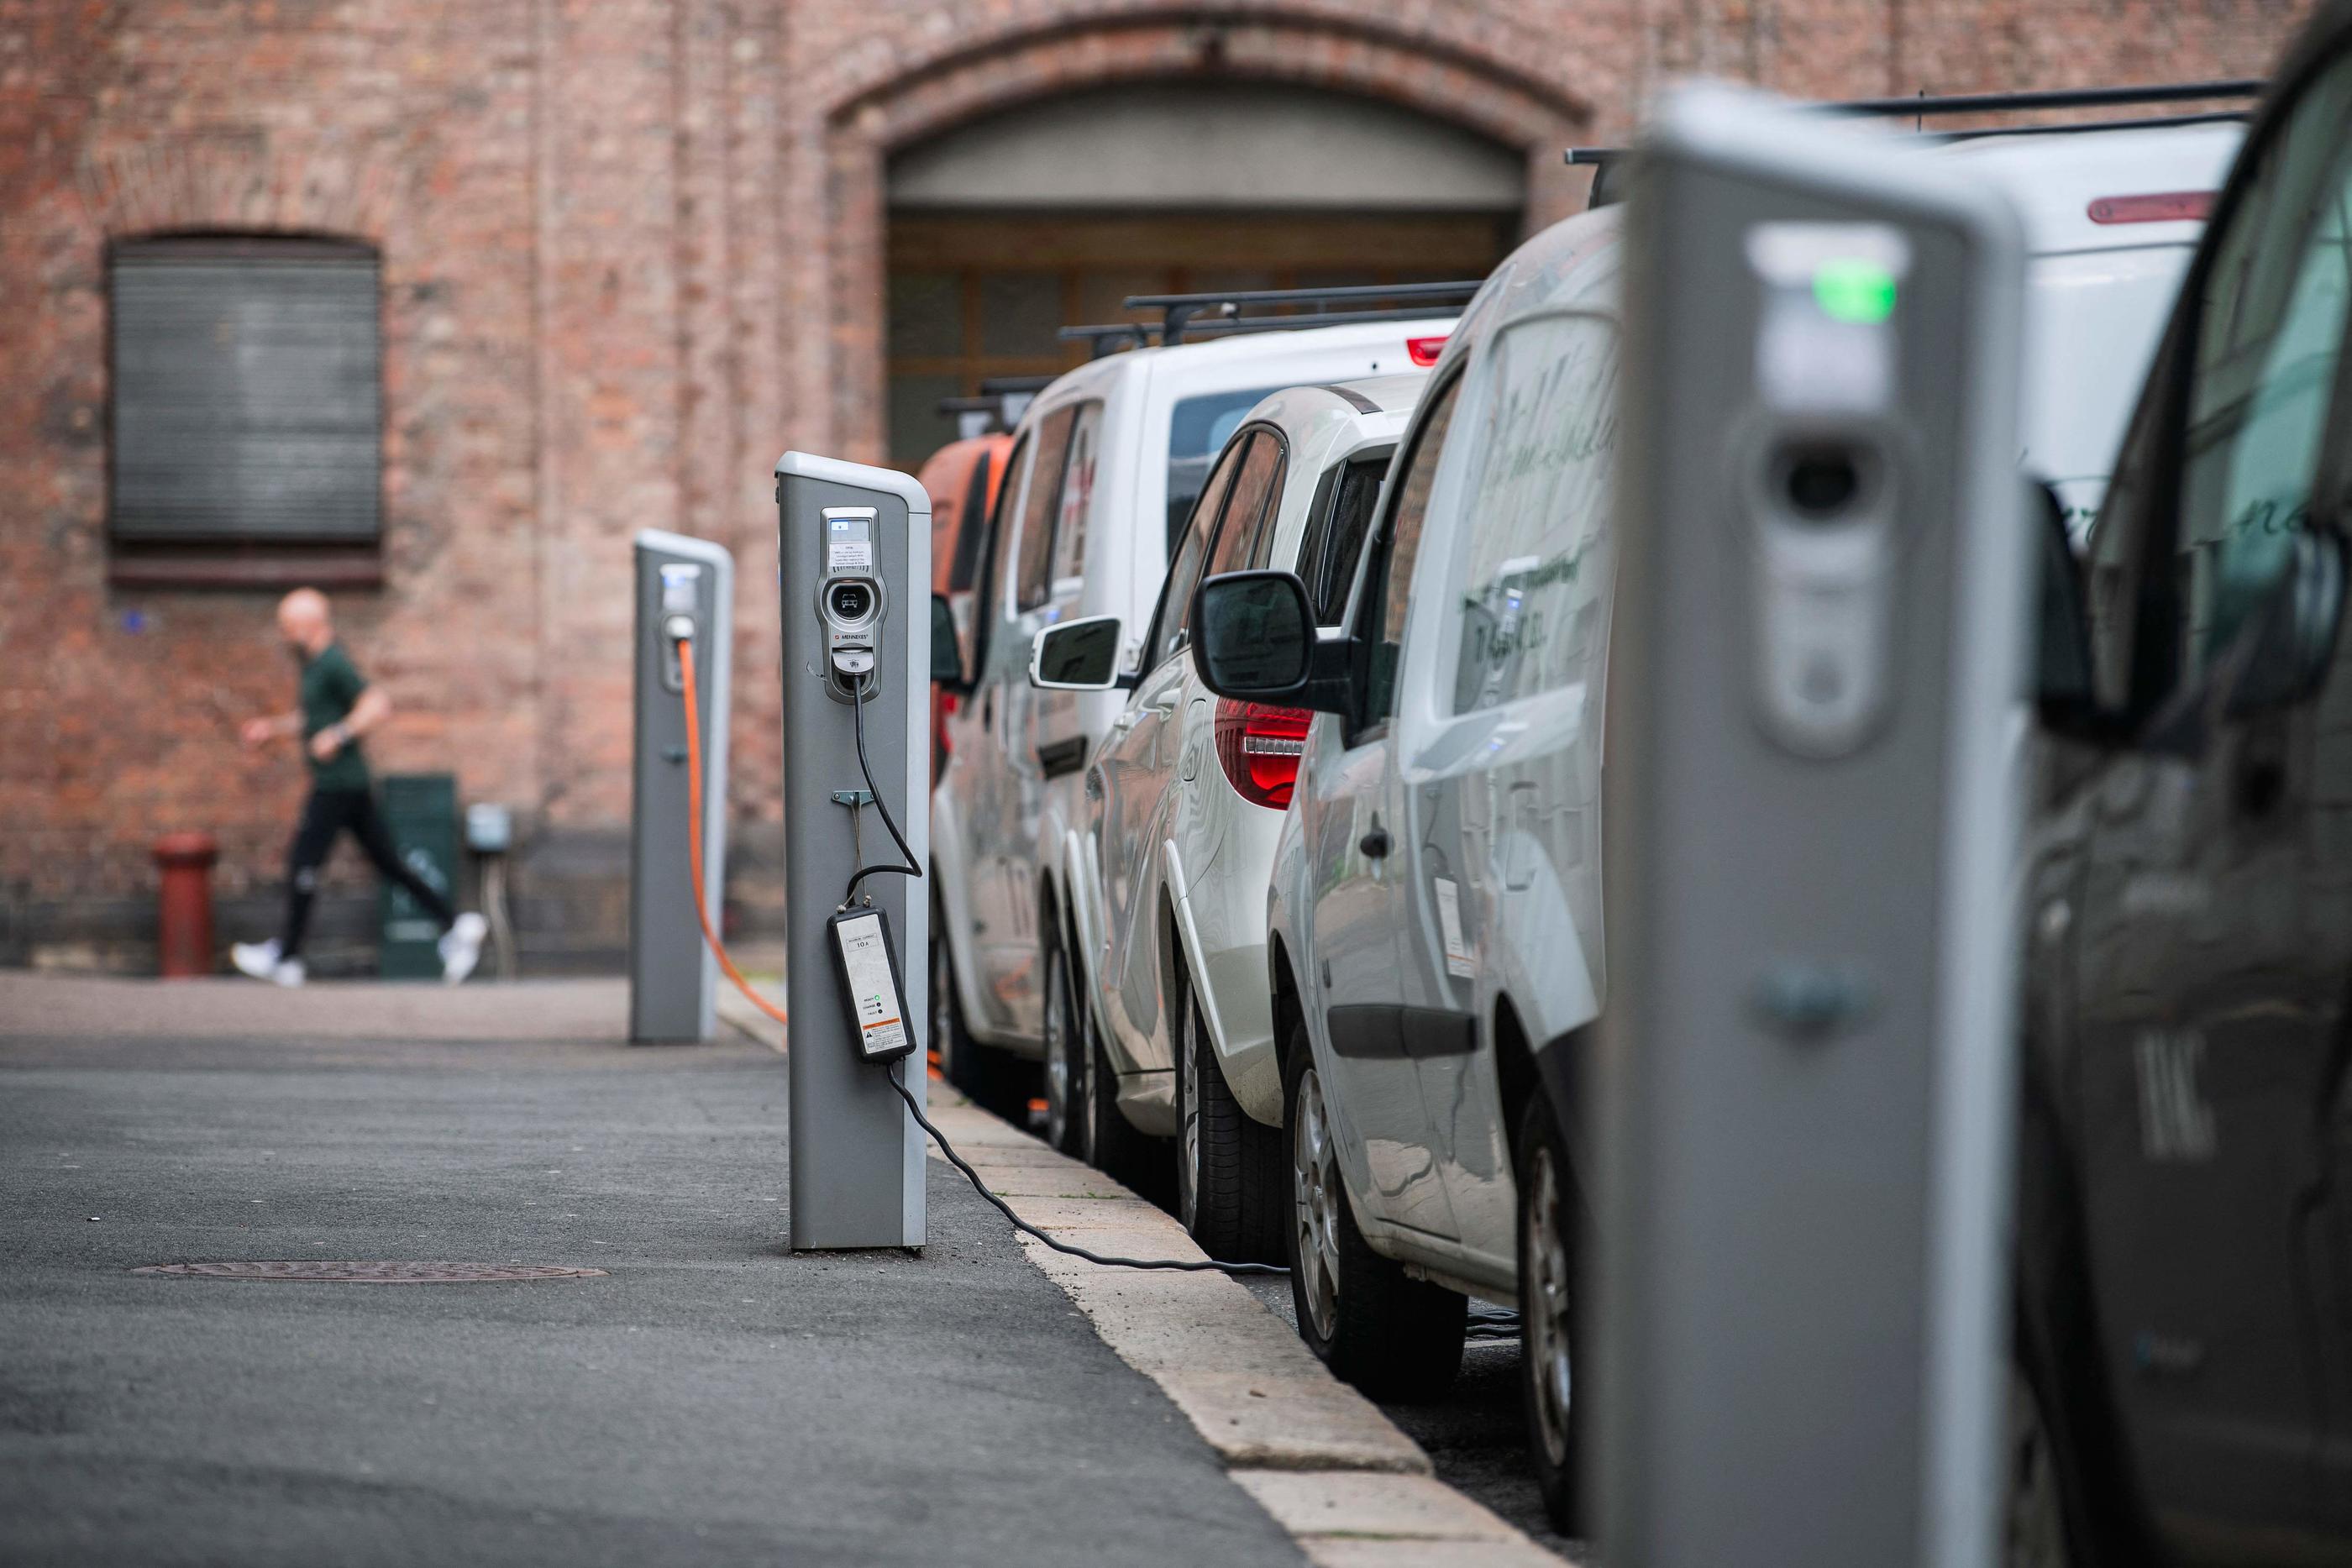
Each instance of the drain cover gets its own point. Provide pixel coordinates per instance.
(370, 1273)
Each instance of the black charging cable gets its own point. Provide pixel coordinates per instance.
(1205, 1266)
(857, 706)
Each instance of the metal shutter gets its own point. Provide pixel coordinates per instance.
(247, 390)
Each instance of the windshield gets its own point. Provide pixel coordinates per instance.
(1197, 431)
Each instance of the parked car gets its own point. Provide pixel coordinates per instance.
(1166, 873)
(1434, 931)
(2183, 1348)
(961, 479)
(1105, 466)
(1436, 943)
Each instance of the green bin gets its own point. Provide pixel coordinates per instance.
(421, 810)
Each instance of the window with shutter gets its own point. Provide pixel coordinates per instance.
(247, 385)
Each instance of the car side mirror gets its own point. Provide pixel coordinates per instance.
(947, 658)
(1254, 640)
(1076, 655)
(2283, 656)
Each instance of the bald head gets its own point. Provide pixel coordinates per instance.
(304, 621)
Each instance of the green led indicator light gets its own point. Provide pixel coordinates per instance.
(1853, 290)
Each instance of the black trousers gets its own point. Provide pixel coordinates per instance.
(326, 813)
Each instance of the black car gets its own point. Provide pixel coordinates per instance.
(2183, 1389)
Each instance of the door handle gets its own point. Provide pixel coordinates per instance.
(1377, 843)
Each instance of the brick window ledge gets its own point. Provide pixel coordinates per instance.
(248, 566)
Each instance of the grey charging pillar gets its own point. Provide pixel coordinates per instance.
(853, 553)
(1805, 1074)
(672, 977)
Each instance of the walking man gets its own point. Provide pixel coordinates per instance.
(335, 707)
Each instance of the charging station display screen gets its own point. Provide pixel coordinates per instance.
(849, 542)
(863, 945)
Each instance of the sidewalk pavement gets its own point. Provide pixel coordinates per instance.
(708, 1398)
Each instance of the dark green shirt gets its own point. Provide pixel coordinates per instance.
(331, 685)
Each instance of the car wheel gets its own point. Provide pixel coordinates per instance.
(1230, 1189)
(1551, 1308)
(1065, 1056)
(2034, 1522)
(1394, 1337)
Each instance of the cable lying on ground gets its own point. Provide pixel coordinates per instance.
(1206, 1265)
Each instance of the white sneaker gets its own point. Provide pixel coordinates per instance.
(461, 947)
(255, 958)
(260, 960)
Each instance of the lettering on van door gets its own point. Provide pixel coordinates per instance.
(2176, 1122)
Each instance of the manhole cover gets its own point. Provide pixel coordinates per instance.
(370, 1273)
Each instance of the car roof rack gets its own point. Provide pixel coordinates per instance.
(1605, 161)
(1226, 312)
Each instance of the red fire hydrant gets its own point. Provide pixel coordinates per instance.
(183, 924)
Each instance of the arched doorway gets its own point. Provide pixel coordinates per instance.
(1006, 228)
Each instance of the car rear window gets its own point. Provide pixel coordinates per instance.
(1197, 431)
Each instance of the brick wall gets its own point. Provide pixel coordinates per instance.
(632, 250)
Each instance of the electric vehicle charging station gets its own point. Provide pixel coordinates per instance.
(684, 585)
(1805, 1072)
(854, 552)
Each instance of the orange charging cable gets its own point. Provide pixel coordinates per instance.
(694, 838)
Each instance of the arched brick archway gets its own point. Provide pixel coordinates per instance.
(1428, 74)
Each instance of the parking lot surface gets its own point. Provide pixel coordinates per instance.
(710, 1398)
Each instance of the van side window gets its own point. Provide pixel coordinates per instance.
(1534, 585)
(1400, 546)
(2269, 335)
(1335, 537)
(1034, 584)
(988, 607)
(1077, 498)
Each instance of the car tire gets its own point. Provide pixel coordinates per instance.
(1067, 1055)
(1392, 1336)
(988, 1077)
(1553, 1308)
(1232, 1191)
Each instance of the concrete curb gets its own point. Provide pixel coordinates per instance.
(1350, 1487)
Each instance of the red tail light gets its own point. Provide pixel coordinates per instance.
(1424, 350)
(943, 706)
(1259, 746)
(2161, 207)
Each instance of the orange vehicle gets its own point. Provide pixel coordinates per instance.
(961, 479)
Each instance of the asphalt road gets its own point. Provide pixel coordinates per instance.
(713, 1400)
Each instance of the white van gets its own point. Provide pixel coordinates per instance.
(1435, 928)
(1105, 466)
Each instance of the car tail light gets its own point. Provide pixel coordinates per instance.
(2161, 207)
(1259, 746)
(1424, 350)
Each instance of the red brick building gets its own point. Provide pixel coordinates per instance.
(621, 254)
